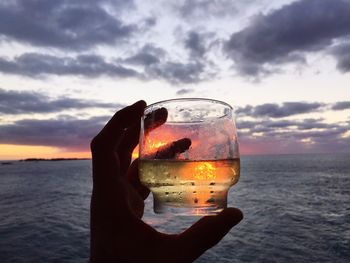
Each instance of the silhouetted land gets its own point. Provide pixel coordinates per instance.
(52, 159)
(6, 163)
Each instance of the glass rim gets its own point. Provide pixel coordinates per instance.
(190, 99)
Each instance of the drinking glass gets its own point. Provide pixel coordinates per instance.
(188, 155)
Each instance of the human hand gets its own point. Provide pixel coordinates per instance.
(117, 232)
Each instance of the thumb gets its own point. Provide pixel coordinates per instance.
(208, 231)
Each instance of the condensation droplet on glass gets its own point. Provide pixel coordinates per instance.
(211, 200)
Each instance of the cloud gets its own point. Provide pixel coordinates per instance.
(329, 139)
(341, 105)
(342, 54)
(157, 64)
(204, 10)
(286, 34)
(184, 91)
(69, 133)
(275, 126)
(273, 136)
(178, 72)
(274, 110)
(258, 135)
(195, 43)
(296, 136)
(36, 65)
(194, 9)
(24, 102)
(146, 56)
(67, 24)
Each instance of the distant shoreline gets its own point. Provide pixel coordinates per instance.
(52, 159)
(9, 162)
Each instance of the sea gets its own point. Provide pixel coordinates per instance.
(296, 209)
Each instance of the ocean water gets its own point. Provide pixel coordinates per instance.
(296, 208)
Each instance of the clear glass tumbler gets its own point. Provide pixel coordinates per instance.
(188, 155)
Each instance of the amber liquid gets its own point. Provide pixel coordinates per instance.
(194, 187)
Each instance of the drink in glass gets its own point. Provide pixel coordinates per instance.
(189, 155)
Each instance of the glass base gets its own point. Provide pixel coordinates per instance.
(181, 210)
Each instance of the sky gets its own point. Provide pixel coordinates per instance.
(67, 65)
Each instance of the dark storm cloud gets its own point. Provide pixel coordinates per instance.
(24, 102)
(36, 65)
(70, 133)
(68, 24)
(341, 105)
(285, 34)
(278, 111)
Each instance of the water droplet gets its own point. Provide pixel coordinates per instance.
(211, 200)
(192, 183)
(211, 192)
(166, 193)
(212, 183)
(194, 192)
(196, 200)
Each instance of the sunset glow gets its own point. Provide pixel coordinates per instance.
(61, 82)
(16, 152)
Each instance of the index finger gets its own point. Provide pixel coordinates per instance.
(132, 134)
(155, 119)
(110, 135)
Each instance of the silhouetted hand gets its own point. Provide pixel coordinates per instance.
(117, 232)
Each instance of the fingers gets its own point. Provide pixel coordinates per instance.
(131, 136)
(111, 134)
(105, 161)
(169, 151)
(208, 231)
(155, 119)
(127, 145)
(134, 179)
